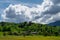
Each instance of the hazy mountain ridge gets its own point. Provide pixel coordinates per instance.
(57, 23)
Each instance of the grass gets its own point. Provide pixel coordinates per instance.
(30, 38)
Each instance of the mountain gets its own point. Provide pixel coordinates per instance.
(57, 23)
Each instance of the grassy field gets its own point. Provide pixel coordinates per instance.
(30, 38)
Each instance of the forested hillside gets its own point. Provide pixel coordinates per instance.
(26, 28)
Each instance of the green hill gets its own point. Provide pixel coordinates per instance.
(28, 28)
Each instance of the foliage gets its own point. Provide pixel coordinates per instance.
(28, 28)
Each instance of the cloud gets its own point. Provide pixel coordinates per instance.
(45, 13)
(56, 1)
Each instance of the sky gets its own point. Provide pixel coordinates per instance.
(38, 11)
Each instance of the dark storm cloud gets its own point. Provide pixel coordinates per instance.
(56, 1)
(53, 10)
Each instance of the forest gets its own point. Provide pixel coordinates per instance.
(28, 28)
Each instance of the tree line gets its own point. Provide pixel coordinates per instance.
(28, 28)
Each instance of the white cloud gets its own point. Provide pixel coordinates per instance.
(45, 13)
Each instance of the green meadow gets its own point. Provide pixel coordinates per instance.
(30, 38)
